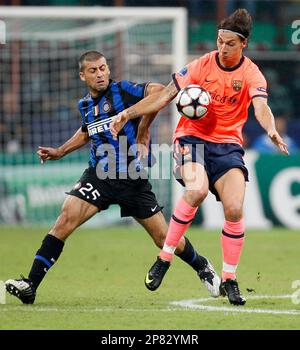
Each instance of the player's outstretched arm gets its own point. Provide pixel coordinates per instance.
(78, 140)
(265, 117)
(150, 105)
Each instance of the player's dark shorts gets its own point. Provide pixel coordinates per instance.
(218, 158)
(134, 197)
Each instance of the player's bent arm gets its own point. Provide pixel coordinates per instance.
(265, 118)
(147, 120)
(79, 139)
(143, 133)
(153, 103)
(148, 106)
(153, 88)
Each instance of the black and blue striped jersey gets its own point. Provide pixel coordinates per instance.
(97, 114)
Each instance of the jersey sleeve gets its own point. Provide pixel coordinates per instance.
(132, 92)
(188, 74)
(257, 84)
(84, 127)
(81, 106)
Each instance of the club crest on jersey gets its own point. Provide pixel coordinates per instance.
(96, 110)
(237, 85)
(106, 107)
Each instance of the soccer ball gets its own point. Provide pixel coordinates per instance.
(193, 101)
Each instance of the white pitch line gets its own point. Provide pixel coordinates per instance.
(183, 305)
(193, 304)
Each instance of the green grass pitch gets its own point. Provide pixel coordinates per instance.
(98, 282)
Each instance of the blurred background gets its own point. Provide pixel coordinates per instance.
(39, 89)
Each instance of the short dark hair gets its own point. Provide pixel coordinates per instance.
(90, 56)
(239, 21)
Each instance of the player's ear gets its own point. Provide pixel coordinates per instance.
(81, 75)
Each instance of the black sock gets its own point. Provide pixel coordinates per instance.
(191, 257)
(45, 257)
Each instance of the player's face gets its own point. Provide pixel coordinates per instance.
(96, 75)
(230, 48)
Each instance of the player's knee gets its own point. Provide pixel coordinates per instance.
(233, 212)
(196, 197)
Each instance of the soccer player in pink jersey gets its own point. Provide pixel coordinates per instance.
(233, 82)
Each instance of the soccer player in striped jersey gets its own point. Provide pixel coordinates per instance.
(107, 180)
(234, 82)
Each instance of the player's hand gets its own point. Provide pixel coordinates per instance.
(118, 123)
(48, 153)
(278, 141)
(142, 140)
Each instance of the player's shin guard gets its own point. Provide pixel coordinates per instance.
(232, 244)
(181, 219)
(45, 257)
